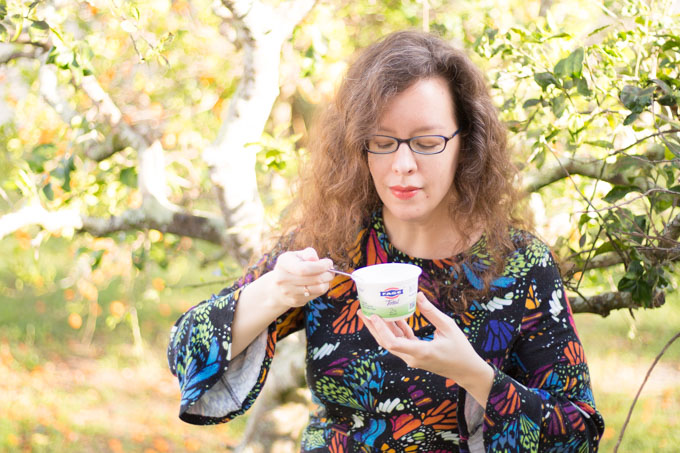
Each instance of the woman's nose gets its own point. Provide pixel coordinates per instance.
(404, 161)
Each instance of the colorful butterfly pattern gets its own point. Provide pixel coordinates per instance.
(369, 400)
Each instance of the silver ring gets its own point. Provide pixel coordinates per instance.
(307, 293)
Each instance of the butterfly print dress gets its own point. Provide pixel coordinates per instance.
(370, 400)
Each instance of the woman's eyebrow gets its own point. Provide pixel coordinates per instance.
(415, 131)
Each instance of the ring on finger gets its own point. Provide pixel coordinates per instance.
(307, 293)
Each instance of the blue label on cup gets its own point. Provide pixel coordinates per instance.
(391, 293)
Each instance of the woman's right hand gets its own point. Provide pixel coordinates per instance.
(299, 276)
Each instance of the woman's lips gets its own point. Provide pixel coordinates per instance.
(404, 193)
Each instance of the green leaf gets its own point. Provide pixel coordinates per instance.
(619, 192)
(669, 100)
(64, 58)
(597, 30)
(158, 254)
(559, 104)
(530, 103)
(39, 30)
(630, 119)
(582, 87)
(97, 255)
(582, 240)
(539, 158)
(552, 134)
(513, 125)
(47, 190)
(642, 293)
(671, 43)
(560, 35)
(635, 270)
(600, 143)
(139, 258)
(626, 284)
(663, 85)
(63, 171)
(545, 79)
(4, 34)
(571, 66)
(635, 98)
(641, 223)
(18, 21)
(128, 176)
(673, 148)
(39, 155)
(607, 247)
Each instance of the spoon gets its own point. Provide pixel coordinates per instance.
(353, 277)
(340, 272)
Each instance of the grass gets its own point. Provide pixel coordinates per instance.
(620, 351)
(67, 389)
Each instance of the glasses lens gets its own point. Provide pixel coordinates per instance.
(381, 144)
(428, 144)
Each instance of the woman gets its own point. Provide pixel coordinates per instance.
(409, 164)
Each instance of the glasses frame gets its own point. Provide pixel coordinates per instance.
(408, 143)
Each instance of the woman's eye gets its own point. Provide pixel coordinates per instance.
(426, 143)
(383, 144)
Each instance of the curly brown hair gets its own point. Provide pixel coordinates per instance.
(336, 194)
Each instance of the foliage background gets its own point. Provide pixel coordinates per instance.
(587, 87)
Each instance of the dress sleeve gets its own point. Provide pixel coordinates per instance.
(544, 401)
(214, 386)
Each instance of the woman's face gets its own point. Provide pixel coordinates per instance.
(416, 187)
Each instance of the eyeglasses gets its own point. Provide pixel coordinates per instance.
(422, 144)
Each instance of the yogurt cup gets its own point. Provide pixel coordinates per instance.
(388, 290)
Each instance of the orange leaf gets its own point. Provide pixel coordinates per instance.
(158, 284)
(88, 290)
(75, 321)
(115, 445)
(161, 444)
(117, 308)
(164, 309)
(192, 445)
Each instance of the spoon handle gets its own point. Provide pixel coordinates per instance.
(340, 272)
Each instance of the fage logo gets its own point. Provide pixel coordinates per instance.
(391, 293)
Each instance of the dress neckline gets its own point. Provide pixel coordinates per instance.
(378, 225)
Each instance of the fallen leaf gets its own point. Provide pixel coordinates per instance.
(75, 321)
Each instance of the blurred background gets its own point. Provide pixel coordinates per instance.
(147, 149)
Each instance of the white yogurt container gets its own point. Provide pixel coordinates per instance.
(388, 290)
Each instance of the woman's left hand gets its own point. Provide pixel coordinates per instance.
(449, 354)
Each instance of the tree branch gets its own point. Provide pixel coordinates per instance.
(554, 171)
(262, 29)
(126, 135)
(603, 304)
(7, 57)
(204, 226)
(666, 250)
(49, 90)
(24, 39)
(96, 148)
